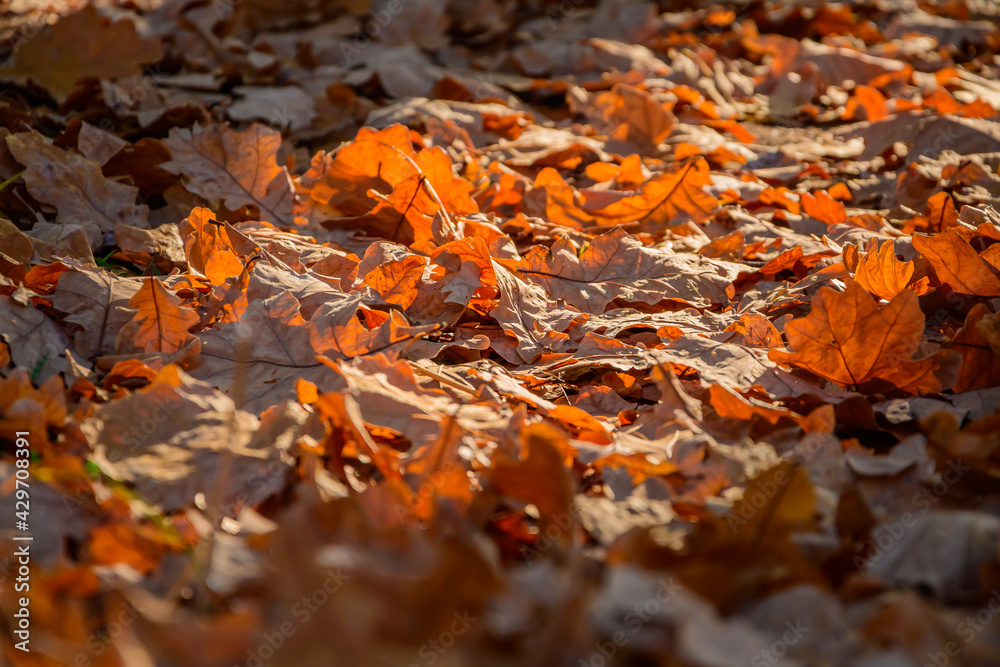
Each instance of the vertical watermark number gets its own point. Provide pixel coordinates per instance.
(22, 508)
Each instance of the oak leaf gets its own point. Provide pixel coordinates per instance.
(617, 265)
(754, 330)
(207, 247)
(848, 338)
(635, 116)
(76, 186)
(677, 193)
(168, 439)
(97, 302)
(369, 170)
(824, 208)
(118, 544)
(35, 342)
(668, 197)
(540, 477)
(979, 344)
(940, 215)
(397, 281)
(730, 404)
(525, 313)
(867, 103)
(161, 323)
(238, 168)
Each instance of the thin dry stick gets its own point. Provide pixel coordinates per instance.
(452, 226)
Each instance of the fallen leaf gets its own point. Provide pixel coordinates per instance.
(81, 44)
(616, 266)
(76, 187)
(161, 323)
(848, 338)
(238, 168)
(957, 264)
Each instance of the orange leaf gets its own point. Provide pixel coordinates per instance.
(849, 339)
(979, 345)
(824, 208)
(734, 406)
(207, 247)
(785, 260)
(672, 194)
(727, 246)
(754, 330)
(635, 116)
(162, 324)
(957, 264)
(117, 544)
(129, 370)
(580, 424)
(370, 170)
(869, 101)
(638, 466)
(742, 134)
(840, 192)
(540, 478)
(879, 272)
(601, 171)
(397, 281)
(631, 175)
(940, 215)
(780, 197)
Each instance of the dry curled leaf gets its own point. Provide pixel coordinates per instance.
(76, 187)
(880, 272)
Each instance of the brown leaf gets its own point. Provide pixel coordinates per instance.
(238, 168)
(539, 477)
(616, 265)
(82, 44)
(526, 314)
(35, 342)
(754, 330)
(98, 303)
(168, 439)
(76, 187)
(978, 343)
(635, 116)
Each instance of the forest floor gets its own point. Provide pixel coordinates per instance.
(499, 332)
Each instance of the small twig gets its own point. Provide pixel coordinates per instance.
(12, 179)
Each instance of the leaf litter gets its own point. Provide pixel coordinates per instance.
(494, 333)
